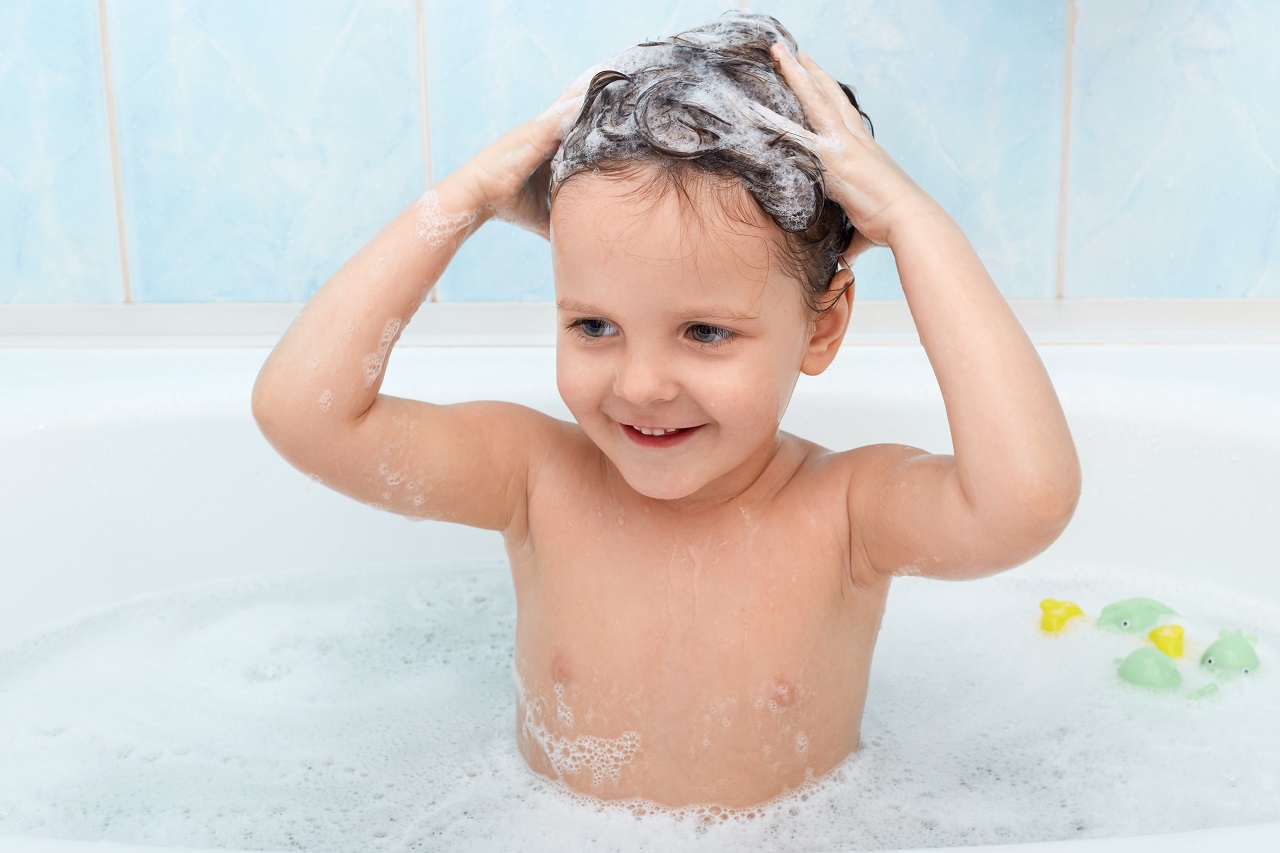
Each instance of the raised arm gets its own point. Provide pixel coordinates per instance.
(1014, 479)
(317, 397)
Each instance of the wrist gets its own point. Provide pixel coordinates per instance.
(920, 213)
(462, 192)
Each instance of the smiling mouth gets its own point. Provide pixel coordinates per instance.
(658, 436)
(657, 430)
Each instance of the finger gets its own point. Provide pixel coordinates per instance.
(557, 120)
(580, 83)
(857, 246)
(812, 98)
(780, 121)
(831, 87)
(559, 117)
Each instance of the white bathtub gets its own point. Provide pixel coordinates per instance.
(131, 463)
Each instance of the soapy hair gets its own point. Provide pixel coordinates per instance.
(679, 111)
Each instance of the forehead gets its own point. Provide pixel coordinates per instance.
(610, 230)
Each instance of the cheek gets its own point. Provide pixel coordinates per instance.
(751, 397)
(574, 380)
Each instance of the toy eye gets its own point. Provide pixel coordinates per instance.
(1124, 623)
(1245, 670)
(1208, 661)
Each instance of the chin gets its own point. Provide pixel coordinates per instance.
(659, 488)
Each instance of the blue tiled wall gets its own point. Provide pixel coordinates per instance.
(1176, 178)
(967, 97)
(261, 144)
(58, 231)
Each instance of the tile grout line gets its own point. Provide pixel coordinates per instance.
(114, 141)
(1064, 186)
(420, 30)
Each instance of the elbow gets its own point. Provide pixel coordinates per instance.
(1030, 517)
(259, 402)
(264, 403)
(1048, 504)
(1064, 495)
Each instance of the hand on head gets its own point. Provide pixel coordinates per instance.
(512, 175)
(872, 189)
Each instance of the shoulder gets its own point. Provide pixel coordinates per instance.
(855, 483)
(851, 470)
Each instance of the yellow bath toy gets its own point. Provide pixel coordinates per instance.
(1168, 639)
(1056, 614)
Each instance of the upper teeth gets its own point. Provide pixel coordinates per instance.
(657, 430)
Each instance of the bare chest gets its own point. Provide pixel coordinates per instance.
(690, 655)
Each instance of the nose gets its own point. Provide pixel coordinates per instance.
(645, 377)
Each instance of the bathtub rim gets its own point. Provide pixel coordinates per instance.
(875, 322)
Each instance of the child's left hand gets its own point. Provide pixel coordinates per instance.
(872, 189)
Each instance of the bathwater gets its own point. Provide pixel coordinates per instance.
(374, 709)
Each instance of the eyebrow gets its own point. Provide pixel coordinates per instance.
(711, 314)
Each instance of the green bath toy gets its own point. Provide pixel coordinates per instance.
(1150, 667)
(1133, 615)
(1231, 655)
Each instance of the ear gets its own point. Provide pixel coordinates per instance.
(829, 328)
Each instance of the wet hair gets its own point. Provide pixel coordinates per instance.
(679, 112)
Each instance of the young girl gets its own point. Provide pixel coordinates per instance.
(698, 593)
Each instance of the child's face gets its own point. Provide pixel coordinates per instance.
(669, 324)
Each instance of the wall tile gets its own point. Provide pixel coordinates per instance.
(967, 98)
(493, 65)
(262, 143)
(1175, 141)
(58, 235)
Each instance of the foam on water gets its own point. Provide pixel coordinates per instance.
(374, 709)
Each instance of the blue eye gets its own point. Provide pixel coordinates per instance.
(709, 335)
(593, 327)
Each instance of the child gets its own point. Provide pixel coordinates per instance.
(698, 593)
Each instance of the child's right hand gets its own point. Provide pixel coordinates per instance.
(513, 173)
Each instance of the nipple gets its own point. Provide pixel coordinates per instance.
(560, 672)
(780, 696)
